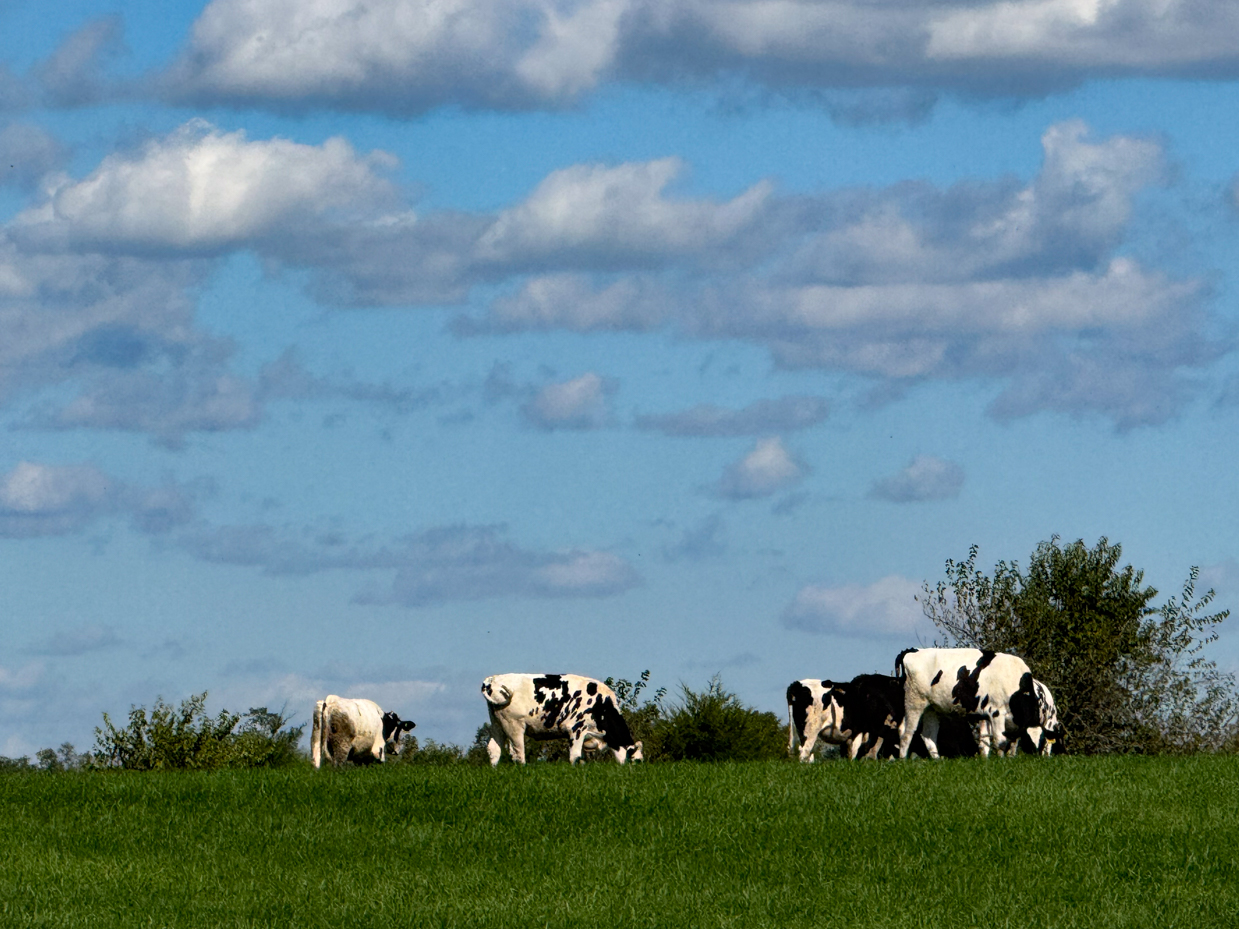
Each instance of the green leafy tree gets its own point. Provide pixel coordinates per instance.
(1127, 676)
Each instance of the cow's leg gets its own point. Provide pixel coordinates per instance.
(914, 708)
(809, 742)
(576, 748)
(929, 733)
(340, 748)
(514, 734)
(860, 746)
(983, 730)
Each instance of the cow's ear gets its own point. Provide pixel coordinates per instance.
(407, 724)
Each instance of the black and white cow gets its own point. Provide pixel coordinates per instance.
(555, 706)
(861, 715)
(351, 729)
(978, 685)
(1033, 705)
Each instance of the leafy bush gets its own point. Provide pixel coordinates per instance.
(1126, 676)
(432, 753)
(714, 725)
(186, 737)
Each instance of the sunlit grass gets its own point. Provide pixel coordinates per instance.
(1057, 842)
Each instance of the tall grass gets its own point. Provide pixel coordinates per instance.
(1026, 842)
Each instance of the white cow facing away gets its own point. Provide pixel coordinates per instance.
(992, 690)
(354, 729)
(548, 706)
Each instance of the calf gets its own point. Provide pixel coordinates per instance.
(979, 685)
(564, 706)
(349, 729)
(862, 715)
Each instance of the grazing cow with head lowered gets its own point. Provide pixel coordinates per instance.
(549, 706)
(347, 729)
(1033, 705)
(978, 685)
(862, 715)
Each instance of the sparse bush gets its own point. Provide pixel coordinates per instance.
(714, 725)
(642, 718)
(186, 737)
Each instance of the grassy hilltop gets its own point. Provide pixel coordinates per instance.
(1063, 842)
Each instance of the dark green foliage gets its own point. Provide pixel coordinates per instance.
(1102, 843)
(1127, 676)
(713, 725)
(64, 758)
(432, 753)
(186, 737)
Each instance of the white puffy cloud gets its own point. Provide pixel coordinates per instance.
(202, 190)
(41, 499)
(887, 607)
(580, 403)
(569, 301)
(765, 470)
(924, 478)
(407, 56)
(617, 216)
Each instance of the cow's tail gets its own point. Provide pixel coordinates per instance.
(791, 729)
(499, 696)
(318, 733)
(900, 673)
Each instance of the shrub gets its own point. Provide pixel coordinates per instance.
(186, 737)
(432, 753)
(714, 725)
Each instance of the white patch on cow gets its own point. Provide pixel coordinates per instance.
(962, 681)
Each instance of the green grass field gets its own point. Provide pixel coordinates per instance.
(1056, 842)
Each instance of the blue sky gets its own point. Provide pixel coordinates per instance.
(374, 348)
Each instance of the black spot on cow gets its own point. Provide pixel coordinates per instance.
(937, 677)
(968, 683)
(1026, 709)
(611, 723)
(591, 688)
(799, 698)
(551, 692)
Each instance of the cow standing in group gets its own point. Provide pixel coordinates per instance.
(862, 715)
(350, 729)
(550, 706)
(991, 690)
(1036, 703)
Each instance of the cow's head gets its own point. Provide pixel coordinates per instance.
(629, 753)
(393, 728)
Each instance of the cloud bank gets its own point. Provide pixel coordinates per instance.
(1025, 284)
(404, 57)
